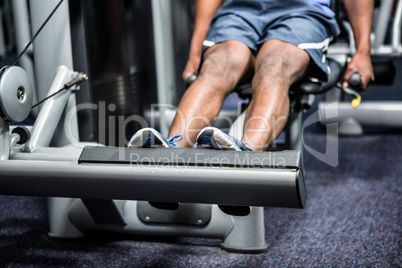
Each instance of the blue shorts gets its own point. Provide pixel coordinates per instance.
(297, 22)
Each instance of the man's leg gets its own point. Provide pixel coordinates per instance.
(224, 65)
(278, 65)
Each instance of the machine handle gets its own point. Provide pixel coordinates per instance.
(355, 81)
(190, 79)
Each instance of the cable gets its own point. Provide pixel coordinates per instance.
(81, 77)
(36, 34)
(77, 80)
(48, 97)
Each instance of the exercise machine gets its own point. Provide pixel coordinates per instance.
(101, 177)
(97, 188)
(108, 188)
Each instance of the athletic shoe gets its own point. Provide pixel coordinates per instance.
(151, 138)
(214, 138)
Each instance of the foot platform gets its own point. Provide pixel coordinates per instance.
(208, 176)
(164, 175)
(104, 180)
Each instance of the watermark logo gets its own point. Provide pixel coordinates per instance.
(329, 114)
(166, 113)
(176, 161)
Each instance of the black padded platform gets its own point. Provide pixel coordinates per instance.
(191, 157)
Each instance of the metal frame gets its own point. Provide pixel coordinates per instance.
(238, 234)
(2, 43)
(161, 13)
(379, 48)
(370, 113)
(23, 35)
(52, 48)
(163, 183)
(55, 171)
(38, 169)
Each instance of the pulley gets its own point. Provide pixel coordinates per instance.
(16, 94)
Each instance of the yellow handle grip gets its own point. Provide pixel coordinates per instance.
(356, 102)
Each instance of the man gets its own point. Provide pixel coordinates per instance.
(276, 42)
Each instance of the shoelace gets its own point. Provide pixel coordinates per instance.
(248, 147)
(239, 143)
(174, 140)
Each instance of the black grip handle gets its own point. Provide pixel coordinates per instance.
(355, 81)
(190, 79)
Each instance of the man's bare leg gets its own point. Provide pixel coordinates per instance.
(224, 65)
(278, 66)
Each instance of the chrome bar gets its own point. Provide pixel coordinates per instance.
(382, 22)
(163, 183)
(51, 111)
(162, 21)
(368, 113)
(396, 30)
(4, 139)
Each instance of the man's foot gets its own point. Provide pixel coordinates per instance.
(151, 138)
(214, 138)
